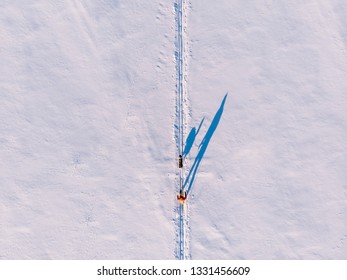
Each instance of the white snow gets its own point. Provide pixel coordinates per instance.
(88, 156)
(273, 183)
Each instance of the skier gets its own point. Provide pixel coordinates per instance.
(182, 196)
(180, 161)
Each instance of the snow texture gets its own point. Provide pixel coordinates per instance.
(88, 154)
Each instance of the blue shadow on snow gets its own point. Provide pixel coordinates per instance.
(203, 145)
(191, 138)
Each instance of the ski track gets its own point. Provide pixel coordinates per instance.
(182, 117)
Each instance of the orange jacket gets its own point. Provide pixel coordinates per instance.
(181, 197)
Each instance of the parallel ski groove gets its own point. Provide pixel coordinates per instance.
(183, 250)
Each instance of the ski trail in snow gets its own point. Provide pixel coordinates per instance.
(182, 114)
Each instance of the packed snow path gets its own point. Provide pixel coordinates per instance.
(180, 7)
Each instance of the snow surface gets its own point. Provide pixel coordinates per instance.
(88, 155)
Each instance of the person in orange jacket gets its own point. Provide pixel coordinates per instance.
(182, 196)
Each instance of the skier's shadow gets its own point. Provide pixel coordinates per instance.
(188, 183)
(191, 139)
